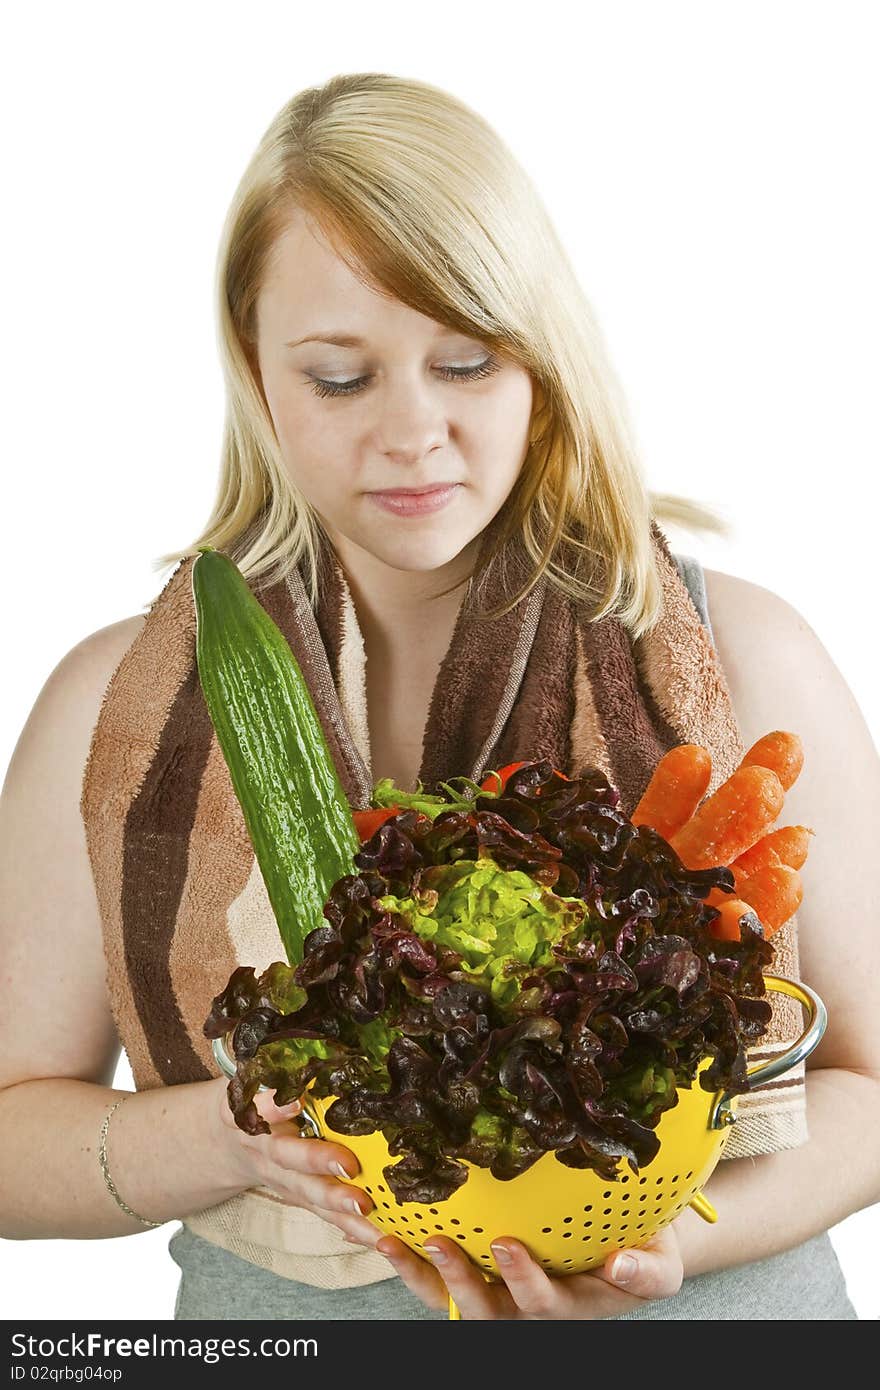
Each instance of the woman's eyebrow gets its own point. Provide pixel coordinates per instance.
(337, 339)
(348, 339)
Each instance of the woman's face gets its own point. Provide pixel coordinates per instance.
(412, 405)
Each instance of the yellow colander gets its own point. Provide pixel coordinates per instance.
(570, 1219)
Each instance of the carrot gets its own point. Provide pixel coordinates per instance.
(731, 820)
(782, 752)
(775, 893)
(677, 786)
(717, 896)
(788, 845)
(726, 927)
(758, 857)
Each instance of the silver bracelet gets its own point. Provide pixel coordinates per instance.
(102, 1159)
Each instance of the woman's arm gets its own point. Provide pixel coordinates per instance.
(171, 1150)
(781, 677)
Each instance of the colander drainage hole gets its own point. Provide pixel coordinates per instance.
(370, 1190)
(689, 1175)
(566, 1235)
(607, 1211)
(659, 1180)
(423, 1232)
(454, 1221)
(546, 1230)
(458, 1236)
(381, 1188)
(433, 1211)
(604, 1240)
(478, 1230)
(642, 1181)
(567, 1220)
(624, 1226)
(606, 1195)
(587, 1223)
(386, 1204)
(640, 1225)
(589, 1207)
(404, 1218)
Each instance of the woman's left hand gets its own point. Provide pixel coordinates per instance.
(528, 1291)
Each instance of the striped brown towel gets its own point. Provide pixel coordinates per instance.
(181, 896)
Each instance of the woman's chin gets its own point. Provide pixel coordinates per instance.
(428, 547)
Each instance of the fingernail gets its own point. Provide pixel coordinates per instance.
(436, 1254)
(623, 1269)
(502, 1254)
(337, 1168)
(356, 1207)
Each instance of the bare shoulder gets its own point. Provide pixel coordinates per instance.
(726, 594)
(104, 647)
(48, 905)
(776, 665)
(67, 706)
(750, 622)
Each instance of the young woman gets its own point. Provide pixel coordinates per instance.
(417, 397)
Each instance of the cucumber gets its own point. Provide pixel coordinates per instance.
(297, 815)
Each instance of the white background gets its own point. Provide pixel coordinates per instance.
(712, 172)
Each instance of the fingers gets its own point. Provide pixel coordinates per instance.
(415, 1272)
(532, 1290)
(359, 1231)
(272, 1113)
(652, 1270)
(292, 1150)
(527, 1291)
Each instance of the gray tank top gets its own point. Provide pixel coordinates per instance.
(803, 1283)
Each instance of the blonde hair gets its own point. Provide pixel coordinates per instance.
(418, 194)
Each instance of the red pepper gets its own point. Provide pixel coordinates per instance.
(366, 823)
(491, 784)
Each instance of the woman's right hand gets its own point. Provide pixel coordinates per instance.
(302, 1171)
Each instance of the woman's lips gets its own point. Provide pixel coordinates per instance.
(415, 503)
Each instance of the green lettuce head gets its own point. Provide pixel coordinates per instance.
(501, 921)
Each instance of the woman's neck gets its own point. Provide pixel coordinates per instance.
(398, 607)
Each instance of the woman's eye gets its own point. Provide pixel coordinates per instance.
(351, 388)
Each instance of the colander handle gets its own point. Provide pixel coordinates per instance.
(723, 1113)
